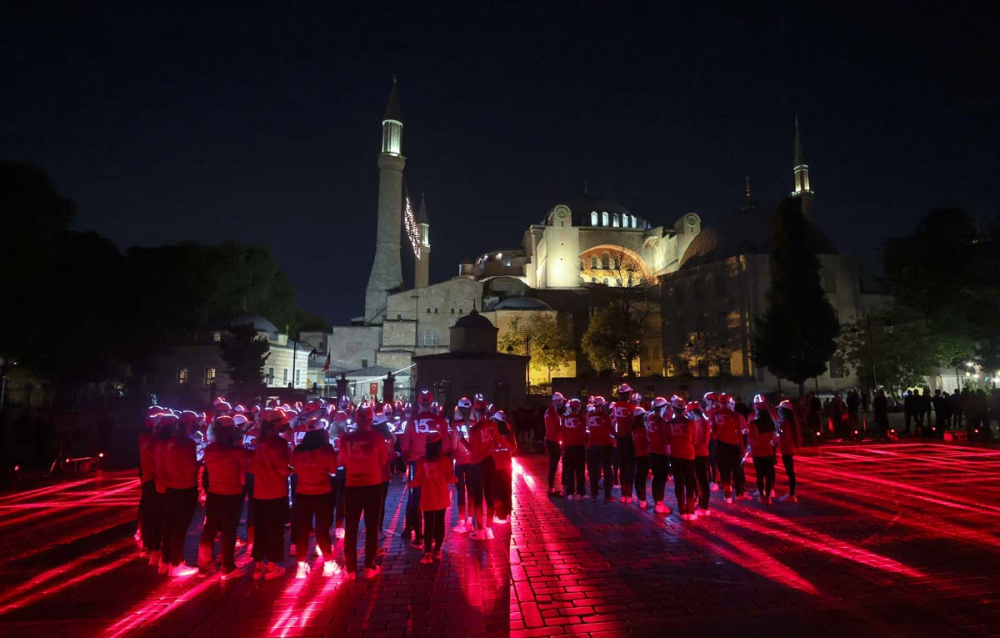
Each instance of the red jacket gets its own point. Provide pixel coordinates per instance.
(433, 477)
(482, 437)
(659, 434)
(682, 438)
(728, 426)
(314, 469)
(702, 436)
(227, 468)
(574, 429)
(414, 441)
(599, 425)
(269, 466)
(622, 413)
(362, 453)
(762, 443)
(553, 425)
(460, 442)
(640, 437)
(176, 463)
(147, 460)
(503, 446)
(790, 438)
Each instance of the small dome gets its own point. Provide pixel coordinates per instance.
(473, 320)
(260, 324)
(522, 303)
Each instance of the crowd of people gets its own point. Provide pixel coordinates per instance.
(701, 445)
(315, 467)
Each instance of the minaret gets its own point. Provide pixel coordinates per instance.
(801, 171)
(749, 205)
(422, 266)
(387, 270)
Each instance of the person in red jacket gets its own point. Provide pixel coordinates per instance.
(574, 438)
(789, 442)
(460, 452)
(413, 444)
(702, 438)
(553, 438)
(640, 440)
(269, 466)
(433, 477)
(314, 462)
(729, 428)
(148, 501)
(599, 461)
(682, 440)
(483, 437)
(503, 475)
(363, 453)
(177, 470)
(226, 464)
(622, 416)
(763, 440)
(659, 451)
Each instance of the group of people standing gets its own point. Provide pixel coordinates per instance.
(314, 467)
(701, 445)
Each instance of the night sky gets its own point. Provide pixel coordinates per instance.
(168, 122)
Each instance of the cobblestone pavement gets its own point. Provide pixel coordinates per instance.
(887, 540)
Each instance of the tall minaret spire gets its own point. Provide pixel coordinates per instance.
(422, 266)
(801, 173)
(387, 270)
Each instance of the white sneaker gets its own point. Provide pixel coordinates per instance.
(372, 572)
(303, 570)
(426, 559)
(729, 499)
(788, 498)
(182, 571)
(642, 504)
(489, 534)
(274, 571)
(330, 568)
(460, 528)
(660, 508)
(339, 532)
(713, 487)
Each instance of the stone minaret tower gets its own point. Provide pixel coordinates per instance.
(387, 270)
(422, 266)
(801, 171)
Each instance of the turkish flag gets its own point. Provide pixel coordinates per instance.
(327, 366)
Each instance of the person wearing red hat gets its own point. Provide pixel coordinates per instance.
(553, 438)
(503, 448)
(703, 435)
(729, 428)
(177, 470)
(414, 445)
(789, 442)
(314, 461)
(483, 437)
(574, 435)
(147, 479)
(600, 433)
(226, 465)
(659, 451)
(682, 453)
(433, 477)
(763, 440)
(269, 466)
(338, 428)
(640, 440)
(459, 432)
(622, 416)
(363, 453)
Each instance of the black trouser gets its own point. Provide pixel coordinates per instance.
(293, 498)
(433, 530)
(320, 506)
(178, 508)
(475, 480)
(660, 466)
(248, 490)
(764, 469)
(413, 518)
(701, 465)
(149, 517)
(222, 514)
(502, 501)
(269, 516)
(462, 488)
(789, 461)
(574, 460)
(626, 457)
(381, 512)
(361, 499)
(713, 461)
(339, 482)
(684, 483)
(615, 465)
(554, 453)
(641, 474)
(729, 456)
(600, 461)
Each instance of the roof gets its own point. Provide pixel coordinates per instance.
(474, 321)
(259, 323)
(486, 356)
(522, 303)
(392, 109)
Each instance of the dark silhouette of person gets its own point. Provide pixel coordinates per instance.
(881, 406)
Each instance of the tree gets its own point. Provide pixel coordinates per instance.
(550, 344)
(245, 353)
(797, 335)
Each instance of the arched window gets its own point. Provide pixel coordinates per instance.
(593, 262)
(581, 265)
(605, 261)
(633, 221)
(614, 220)
(593, 218)
(605, 281)
(604, 218)
(618, 263)
(593, 280)
(182, 376)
